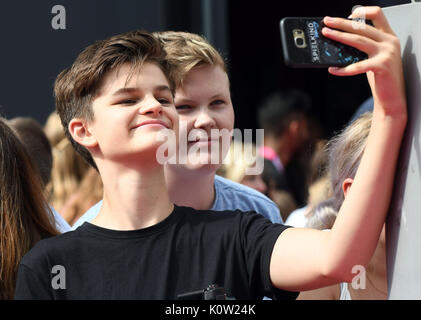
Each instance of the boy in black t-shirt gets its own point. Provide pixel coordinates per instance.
(114, 102)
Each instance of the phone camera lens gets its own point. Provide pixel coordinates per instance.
(299, 41)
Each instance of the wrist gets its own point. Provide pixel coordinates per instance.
(393, 111)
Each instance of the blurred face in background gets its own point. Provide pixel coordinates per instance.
(255, 181)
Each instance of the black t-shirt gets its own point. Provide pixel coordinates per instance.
(187, 251)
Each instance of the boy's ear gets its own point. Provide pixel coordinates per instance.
(79, 131)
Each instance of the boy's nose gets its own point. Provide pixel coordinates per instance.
(151, 106)
(204, 121)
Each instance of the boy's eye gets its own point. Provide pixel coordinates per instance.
(128, 101)
(217, 102)
(183, 107)
(164, 101)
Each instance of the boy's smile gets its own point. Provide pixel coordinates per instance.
(159, 124)
(130, 110)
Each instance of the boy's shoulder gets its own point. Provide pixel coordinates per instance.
(51, 247)
(240, 189)
(233, 195)
(210, 216)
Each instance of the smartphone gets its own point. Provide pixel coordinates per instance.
(304, 46)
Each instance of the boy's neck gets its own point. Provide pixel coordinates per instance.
(133, 199)
(190, 188)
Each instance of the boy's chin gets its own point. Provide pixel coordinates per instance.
(203, 162)
(199, 168)
(203, 167)
(147, 153)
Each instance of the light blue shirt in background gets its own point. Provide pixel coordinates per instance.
(61, 224)
(231, 195)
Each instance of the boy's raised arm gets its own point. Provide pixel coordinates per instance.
(304, 259)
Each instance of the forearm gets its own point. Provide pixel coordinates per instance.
(356, 231)
(305, 259)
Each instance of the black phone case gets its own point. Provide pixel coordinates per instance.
(320, 52)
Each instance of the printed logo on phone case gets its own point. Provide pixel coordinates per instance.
(313, 32)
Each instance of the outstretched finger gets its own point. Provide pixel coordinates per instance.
(354, 27)
(352, 69)
(376, 15)
(357, 41)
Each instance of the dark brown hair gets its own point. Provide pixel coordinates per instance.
(31, 134)
(76, 86)
(25, 217)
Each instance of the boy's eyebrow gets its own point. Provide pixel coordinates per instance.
(187, 100)
(218, 95)
(132, 89)
(124, 90)
(163, 88)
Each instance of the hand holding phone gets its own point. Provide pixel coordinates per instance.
(304, 45)
(383, 65)
(382, 61)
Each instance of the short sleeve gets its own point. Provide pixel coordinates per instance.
(30, 287)
(258, 236)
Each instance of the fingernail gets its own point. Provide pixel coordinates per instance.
(333, 68)
(328, 19)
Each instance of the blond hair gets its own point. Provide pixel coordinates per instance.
(322, 216)
(345, 152)
(88, 193)
(185, 51)
(69, 167)
(237, 162)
